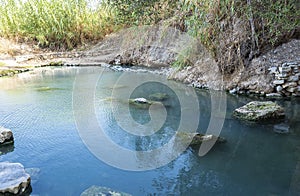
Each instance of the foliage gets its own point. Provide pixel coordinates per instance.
(55, 23)
(69, 23)
(136, 12)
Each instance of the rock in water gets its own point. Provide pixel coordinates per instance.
(258, 111)
(143, 103)
(141, 100)
(13, 179)
(6, 136)
(281, 128)
(197, 138)
(158, 97)
(102, 191)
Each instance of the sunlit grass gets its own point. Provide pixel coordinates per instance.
(54, 23)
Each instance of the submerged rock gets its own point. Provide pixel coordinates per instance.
(158, 97)
(142, 103)
(281, 128)
(6, 136)
(14, 179)
(198, 138)
(102, 191)
(256, 111)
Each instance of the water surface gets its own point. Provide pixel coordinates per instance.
(254, 161)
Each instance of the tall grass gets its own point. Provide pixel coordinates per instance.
(55, 23)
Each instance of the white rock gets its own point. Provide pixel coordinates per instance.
(273, 95)
(273, 69)
(233, 91)
(102, 191)
(279, 89)
(141, 100)
(6, 136)
(278, 82)
(13, 178)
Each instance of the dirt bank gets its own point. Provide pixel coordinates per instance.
(275, 73)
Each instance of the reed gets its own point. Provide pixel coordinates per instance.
(55, 23)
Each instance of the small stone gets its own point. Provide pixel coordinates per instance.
(298, 88)
(292, 84)
(273, 95)
(278, 82)
(279, 89)
(281, 128)
(273, 70)
(292, 63)
(291, 89)
(281, 76)
(285, 85)
(286, 70)
(293, 78)
(6, 136)
(233, 91)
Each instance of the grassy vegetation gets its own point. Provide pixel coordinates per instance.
(70, 23)
(55, 23)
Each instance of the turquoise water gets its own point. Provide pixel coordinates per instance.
(38, 108)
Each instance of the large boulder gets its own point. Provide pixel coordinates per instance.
(13, 179)
(258, 111)
(6, 136)
(102, 191)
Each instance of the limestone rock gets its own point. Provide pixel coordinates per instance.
(197, 138)
(6, 136)
(102, 191)
(257, 111)
(13, 179)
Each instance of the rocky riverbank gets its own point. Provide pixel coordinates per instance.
(274, 73)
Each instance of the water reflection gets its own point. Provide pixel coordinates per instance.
(6, 149)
